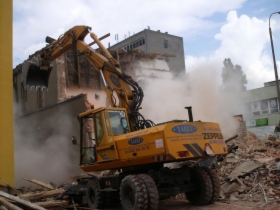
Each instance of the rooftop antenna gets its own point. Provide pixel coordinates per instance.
(129, 34)
(149, 27)
(117, 37)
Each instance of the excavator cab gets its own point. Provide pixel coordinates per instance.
(35, 75)
(107, 123)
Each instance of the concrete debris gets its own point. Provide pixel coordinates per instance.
(251, 170)
(243, 168)
(249, 173)
(42, 197)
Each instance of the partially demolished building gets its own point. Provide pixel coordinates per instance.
(43, 114)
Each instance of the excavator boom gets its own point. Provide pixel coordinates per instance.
(37, 68)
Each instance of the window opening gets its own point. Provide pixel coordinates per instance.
(264, 107)
(108, 125)
(88, 154)
(98, 127)
(165, 43)
(256, 108)
(273, 103)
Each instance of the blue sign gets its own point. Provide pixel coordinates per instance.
(135, 141)
(115, 80)
(184, 129)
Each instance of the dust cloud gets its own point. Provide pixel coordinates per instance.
(46, 154)
(165, 100)
(95, 96)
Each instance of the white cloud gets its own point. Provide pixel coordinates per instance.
(243, 39)
(32, 49)
(34, 20)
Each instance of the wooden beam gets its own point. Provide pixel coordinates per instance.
(53, 204)
(42, 184)
(45, 194)
(21, 201)
(9, 205)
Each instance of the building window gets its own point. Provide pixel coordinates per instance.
(165, 43)
(273, 105)
(264, 107)
(255, 108)
(135, 44)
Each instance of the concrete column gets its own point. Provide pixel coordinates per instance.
(6, 94)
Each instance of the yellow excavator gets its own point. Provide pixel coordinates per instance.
(133, 148)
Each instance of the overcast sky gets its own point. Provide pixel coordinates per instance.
(212, 30)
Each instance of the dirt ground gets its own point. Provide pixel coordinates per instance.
(185, 205)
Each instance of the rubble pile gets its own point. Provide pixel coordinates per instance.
(251, 170)
(41, 197)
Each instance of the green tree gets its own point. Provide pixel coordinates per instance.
(233, 77)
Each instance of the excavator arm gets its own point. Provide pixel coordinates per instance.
(37, 68)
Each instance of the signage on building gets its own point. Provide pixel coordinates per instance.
(250, 123)
(261, 122)
(257, 122)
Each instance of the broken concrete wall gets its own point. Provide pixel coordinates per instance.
(29, 99)
(43, 139)
(262, 131)
(145, 67)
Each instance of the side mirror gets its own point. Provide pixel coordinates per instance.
(74, 140)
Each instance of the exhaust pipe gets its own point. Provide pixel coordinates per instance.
(189, 108)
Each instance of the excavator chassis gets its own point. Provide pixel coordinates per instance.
(152, 185)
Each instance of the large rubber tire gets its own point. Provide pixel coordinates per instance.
(215, 184)
(151, 190)
(95, 198)
(112, 199)
(203, 194)
(133, 193)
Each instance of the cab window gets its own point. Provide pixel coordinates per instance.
(118, 121)
(98, 127)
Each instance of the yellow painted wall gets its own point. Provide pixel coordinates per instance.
(6, 94)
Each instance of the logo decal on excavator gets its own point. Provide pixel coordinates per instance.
(212, 136)
(115, 80)
(184, 129)
(135, 141)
